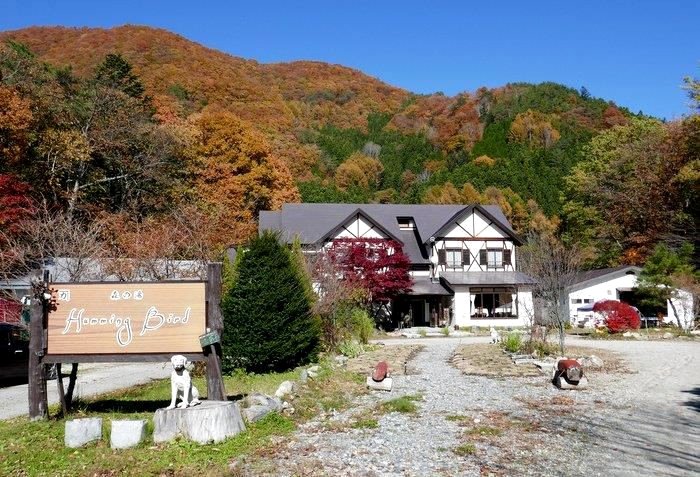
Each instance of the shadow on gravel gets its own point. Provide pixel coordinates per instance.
(642, 441)
(693, 403)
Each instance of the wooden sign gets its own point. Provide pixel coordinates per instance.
(125, 318)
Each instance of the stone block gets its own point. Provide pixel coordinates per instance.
(127, 433)
(561, 383)
(211, 421)
(82, 431)
(384, 385)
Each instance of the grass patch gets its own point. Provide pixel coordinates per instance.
(465, 450)
(36, 448)
(456, 418)
(484, 431)
(366, 423)
(404, 404)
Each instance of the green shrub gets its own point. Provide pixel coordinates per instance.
(512, 342)
(362, 324)
(268, 324)
(445, 331)
(351, 349)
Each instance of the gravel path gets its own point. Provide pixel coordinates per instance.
(645, 423)
(93, 379)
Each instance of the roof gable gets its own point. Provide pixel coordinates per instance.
(497, 219)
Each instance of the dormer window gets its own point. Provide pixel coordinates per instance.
(406, 223)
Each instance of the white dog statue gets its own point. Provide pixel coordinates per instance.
(495, 336)
(181, 384)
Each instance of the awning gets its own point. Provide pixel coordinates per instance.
(487, 278)
(423, 286)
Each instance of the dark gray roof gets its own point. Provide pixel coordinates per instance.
(423, 286)
(602, 274)
(313, 222)
(487, 278)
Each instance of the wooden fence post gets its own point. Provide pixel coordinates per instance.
(38, 401)
(216, 391)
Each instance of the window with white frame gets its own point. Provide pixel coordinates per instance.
(495, 257)
(454, 257)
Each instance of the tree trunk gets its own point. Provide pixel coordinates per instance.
(562, 337)
(71, 385)
(675, 312)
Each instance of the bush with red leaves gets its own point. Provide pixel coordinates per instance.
(618, 316)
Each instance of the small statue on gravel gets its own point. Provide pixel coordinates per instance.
(181, 384)
(568, 374)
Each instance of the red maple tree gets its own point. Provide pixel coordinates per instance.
(619, 316)
(378, 266)
(15, 204)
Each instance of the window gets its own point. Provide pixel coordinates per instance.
(497, 302)
(588, 300)
(406, 223)
(495, 257)
(575, 301)
(454, 258)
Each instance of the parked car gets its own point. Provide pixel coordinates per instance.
(14, 351)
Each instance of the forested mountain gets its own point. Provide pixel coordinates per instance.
(133, 125)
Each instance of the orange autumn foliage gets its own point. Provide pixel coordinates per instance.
(235, 173)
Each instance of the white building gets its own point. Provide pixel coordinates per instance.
(619, 283)
(463, 258)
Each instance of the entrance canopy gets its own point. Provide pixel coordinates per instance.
(424, 286)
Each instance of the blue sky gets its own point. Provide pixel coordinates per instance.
(633, 52)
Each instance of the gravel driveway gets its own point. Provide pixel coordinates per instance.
(93, 379)
(642, 423)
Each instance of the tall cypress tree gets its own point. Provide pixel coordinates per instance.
(267, 312)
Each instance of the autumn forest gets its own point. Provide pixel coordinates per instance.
(161, 146)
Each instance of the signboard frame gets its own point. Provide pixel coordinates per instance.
(126, 357)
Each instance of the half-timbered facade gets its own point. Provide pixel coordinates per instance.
(463, 258)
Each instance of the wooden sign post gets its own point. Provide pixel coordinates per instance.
(38, 401)
(215, 324)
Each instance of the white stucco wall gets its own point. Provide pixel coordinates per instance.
(602, 291)
(462, 310)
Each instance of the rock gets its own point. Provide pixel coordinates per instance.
(313, 371)
(303, 376)
(627, 334)
(667, 336)
(547, 367)
(695, 332)
(341, 360)
(592, 361)
(255, 413)
(384, 385)
(410, 334)
(211, 421)
(82, 431)
(287, 387)
(127, 433)
(381, 371)
(256, 406)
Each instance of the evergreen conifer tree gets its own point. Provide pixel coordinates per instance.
(268, 324)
